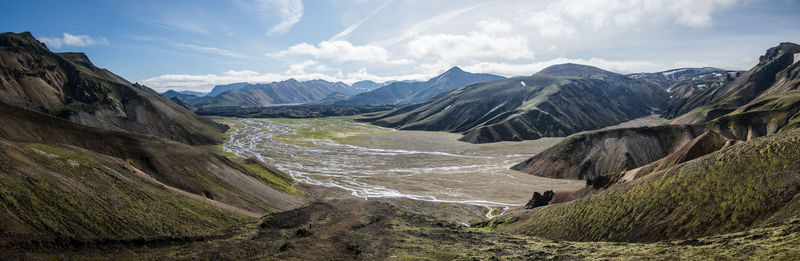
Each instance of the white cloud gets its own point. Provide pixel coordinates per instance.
(418, 28)
(73, 40)
(206, 82)
(291, 11)
(490, 42)
(340, 51)
(211, 50)
(561, 19)
(347, 31)
(624, 67)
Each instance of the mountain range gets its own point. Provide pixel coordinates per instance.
(359, 93)
(399, 93)
(558, 101)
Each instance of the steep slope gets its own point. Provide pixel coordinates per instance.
(196, 170)
(715, 102)
(285, 92)
(685, 83)
(577, 98)
(749, 185)
(591, 154)
(333, 98)
(57, 192)
(69, 86)
(414, 92)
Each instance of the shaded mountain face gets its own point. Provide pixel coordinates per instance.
(69, 86)
(588, 155)
(285, 92)
(219, 89)
(187, 98)
(523, 108)
(415, 92)
(718, 101)
(365, 86)
(333, 98)
(685, 83)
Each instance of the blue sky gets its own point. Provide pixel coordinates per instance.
(194, 45)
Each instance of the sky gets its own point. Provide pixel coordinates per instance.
(195, 45)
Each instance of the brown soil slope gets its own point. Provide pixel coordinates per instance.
(69, 86)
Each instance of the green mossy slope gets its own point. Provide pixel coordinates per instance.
(737, 188)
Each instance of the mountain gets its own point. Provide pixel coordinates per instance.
(183, 96)
(69, 86)
(219, 89)
(588, 155)
(714, 102)
(685, 83)
(199, 94)
(415, 92)
(285, 92)
(333, 98)
(752, 185)
(736, 169)
(367, 85)
(560, 100)
(87, 158)
(64, 179)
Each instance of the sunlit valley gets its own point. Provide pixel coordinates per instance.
(400, 130)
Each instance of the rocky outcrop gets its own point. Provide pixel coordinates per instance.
(539, 200)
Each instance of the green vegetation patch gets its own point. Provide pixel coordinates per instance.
(104, 201)
(268, 177)
(735, 189)
(64, 154)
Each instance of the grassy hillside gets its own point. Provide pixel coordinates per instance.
(744, 186)
(50, 193)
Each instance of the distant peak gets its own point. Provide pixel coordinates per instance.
(455, 69)
(574, 70)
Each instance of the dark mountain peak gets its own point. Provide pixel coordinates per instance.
(77, 57)
(573, 70)
(24, 39)
(777, 51)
